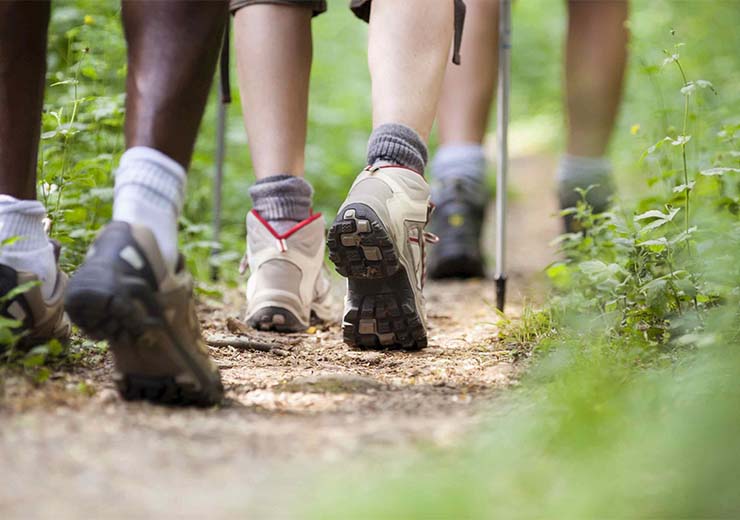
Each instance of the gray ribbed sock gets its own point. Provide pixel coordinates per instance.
(581, 172)
(397, 144)
(462, 160)
(282, 200)
(462, 165)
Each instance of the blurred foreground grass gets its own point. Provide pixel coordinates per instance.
(630, 409)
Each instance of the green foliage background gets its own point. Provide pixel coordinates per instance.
(630, 408)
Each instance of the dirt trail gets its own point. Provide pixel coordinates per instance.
(65, 453)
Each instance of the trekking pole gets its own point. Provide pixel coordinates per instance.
(502, 130)
(225, 99)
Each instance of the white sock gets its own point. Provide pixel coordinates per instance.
(32, 251)
(150, 191)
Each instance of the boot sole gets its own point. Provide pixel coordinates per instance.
(147, 354)
(381, 309)
(275, 319)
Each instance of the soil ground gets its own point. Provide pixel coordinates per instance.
(70, 448)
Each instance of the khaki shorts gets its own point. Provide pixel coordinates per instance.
(361, 8)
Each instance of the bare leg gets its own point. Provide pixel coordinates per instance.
(595, 61)
(23, 27)
(408, 51)
(274, 50)
(468, 89)
(172, 52)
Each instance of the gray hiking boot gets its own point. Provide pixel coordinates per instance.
(42, 319)
(378, 242)
(288, 287)
(588, 173)
(457, 220)
(598, 198)
(125, 293)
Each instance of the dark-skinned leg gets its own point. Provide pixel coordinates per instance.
(172, 52)
(131, 290)
(23, 27)
(30, 256)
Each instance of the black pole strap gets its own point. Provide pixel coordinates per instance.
(224, 64)
(459, 25)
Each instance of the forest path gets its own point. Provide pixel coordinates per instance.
(70, 448)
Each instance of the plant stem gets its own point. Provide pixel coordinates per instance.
(75, 104)
(683, 149)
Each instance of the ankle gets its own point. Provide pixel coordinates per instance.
(396, 144)
(575, 170)
(282, 200)
(459, 161)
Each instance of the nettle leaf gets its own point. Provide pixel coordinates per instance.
(19, 289)
(8, 323)
(654, 288)
(681, 140)
(597, 270)
(684, 187)
(683, 236)
(651, 150)
(719, 171)
(659, 217)
(687, 287)
(592, 267)
(653, 213)
(657, 245)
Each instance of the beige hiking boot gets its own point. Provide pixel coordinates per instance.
(42, 319)
(378, 242)
(288, 287)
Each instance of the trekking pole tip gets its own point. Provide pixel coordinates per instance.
(500, 292)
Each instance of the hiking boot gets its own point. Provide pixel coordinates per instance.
(288, 288)
(457, 220)
(378, 243)
(598, 197)
(42, 319)
(125, 293)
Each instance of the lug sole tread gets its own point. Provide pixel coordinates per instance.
(132, 332)
(381, 310)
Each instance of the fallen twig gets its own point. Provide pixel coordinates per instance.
(242, 343)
